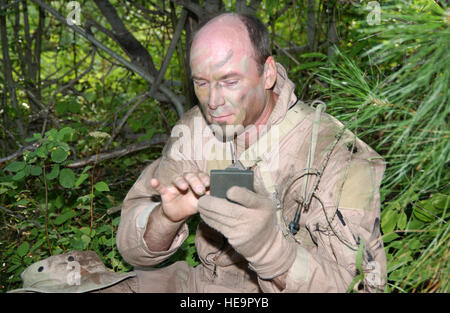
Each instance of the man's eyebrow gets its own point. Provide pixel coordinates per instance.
(223, 77)
(195, 77)
(230, 75)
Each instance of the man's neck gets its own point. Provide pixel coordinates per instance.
(264, 116)
(268, 108)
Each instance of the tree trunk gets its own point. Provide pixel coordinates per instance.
(134, 49)
(10, 85)
(311, 25)
(332, 32)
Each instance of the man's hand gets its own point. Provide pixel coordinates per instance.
(251, 228)
(179, 199)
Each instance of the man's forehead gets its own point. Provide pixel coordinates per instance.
(227, 22)
(222, 34)
(228, 63)
(218, 54)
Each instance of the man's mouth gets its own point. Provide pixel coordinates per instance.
(221, 118)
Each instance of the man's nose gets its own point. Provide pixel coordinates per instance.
(215, 97)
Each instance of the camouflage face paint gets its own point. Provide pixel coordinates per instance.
(226, 78)
(224, 61)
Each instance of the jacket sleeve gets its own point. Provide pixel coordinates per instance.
(138, 204)
(136, 209)
(347, 215)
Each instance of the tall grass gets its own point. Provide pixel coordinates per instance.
(398, 91)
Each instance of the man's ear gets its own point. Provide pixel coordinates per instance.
(270, 73)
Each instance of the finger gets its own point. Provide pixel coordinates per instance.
(157, 185)
(181, 183)
(246, 198)
(195, 183)
(204, 178)
(161, 189)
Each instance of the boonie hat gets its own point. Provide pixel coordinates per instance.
(72, 272)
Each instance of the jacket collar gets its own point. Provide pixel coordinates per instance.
(285, 89)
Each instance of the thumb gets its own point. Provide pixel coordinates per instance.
(160, 188)
(247, 198)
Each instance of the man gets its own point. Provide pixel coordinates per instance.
(316, 199)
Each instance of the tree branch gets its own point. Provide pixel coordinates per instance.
(20, 216)
(73, 81)
(19, 152)
(137, 53)
(139, 100)
(286, 53)
(171, 49)
(144, 74)
(157, 139)
(176, 36)
(200, 12)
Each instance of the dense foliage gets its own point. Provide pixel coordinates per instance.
(79, 124)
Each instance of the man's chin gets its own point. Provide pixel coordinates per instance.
(225, 132)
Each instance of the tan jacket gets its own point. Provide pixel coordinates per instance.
(344, 211)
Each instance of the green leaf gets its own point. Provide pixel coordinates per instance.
(42, 151)
(65, 134)
(27, 170)
(390, 237)
(12, 268)
(51, 134)
(59, 155)
(190, 239)
(313, 55)
(59, 202)
(64, 217)
(80, 243)
(388, 220)
(101, 186)
(22, 202)
(19, 176)
(23, 249)
(37, 136)
(53, 173)
(38, 243)
(359, 257)
(74, 106)
(87, 168)
(61, 107)
(414, 244)
(67, 178)
(401, 222)
(440, 201)
(15, 167)
(81, 179)
(422, 215)
(308, 65)
(36, 170)
(270, 6)
(116, 221)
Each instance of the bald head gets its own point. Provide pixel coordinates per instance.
(232, 80)
(247, 30)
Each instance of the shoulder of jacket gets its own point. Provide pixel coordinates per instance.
(349, 142)
(189, 116)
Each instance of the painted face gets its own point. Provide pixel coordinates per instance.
(225, 76)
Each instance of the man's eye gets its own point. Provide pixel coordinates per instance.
(200, 83)
(230, 83)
